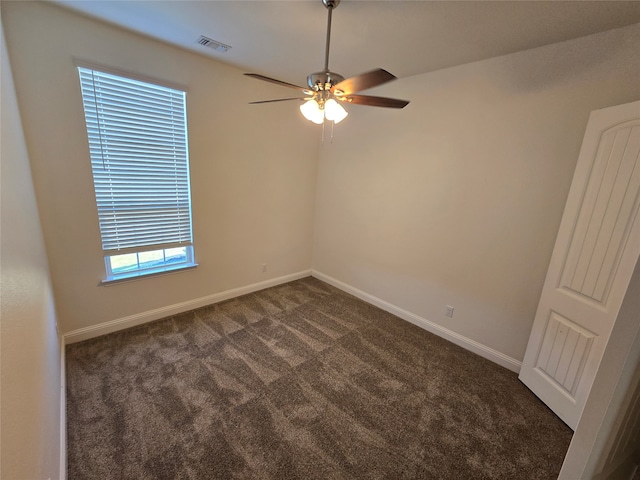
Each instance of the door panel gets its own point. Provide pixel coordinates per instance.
(597, 247)
(605, 215)
(565, 348)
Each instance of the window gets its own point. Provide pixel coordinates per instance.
(138, 146)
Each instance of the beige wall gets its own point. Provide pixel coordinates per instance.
(253, 168)
(29, 344)
(457, 198)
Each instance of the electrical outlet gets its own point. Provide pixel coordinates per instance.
(264, 267)
(449, 311)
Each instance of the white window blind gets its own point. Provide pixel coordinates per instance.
(138, 146)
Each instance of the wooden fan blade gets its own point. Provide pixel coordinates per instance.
(375, 101)
(278, 100)
(363, 81)
(273, 80)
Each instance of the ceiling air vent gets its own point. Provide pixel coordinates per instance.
(213, 44)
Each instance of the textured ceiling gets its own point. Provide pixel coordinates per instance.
(286, 39)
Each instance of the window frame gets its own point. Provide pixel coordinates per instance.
(179, 161)
(148, 271)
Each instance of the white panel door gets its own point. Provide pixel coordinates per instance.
(596, 250)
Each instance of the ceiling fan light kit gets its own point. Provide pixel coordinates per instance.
(327, 90)
(332, 111)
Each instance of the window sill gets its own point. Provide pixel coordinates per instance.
(129, 277)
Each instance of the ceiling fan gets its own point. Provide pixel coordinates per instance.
(327, 90)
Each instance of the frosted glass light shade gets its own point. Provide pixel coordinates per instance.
(311, 111)
(334, 111)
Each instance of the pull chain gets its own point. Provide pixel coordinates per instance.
(331, 134)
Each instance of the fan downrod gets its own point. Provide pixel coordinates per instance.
(324, 80)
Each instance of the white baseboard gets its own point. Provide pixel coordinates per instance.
(460, 340)
(151, 315)
(63, 411)
(156, 314)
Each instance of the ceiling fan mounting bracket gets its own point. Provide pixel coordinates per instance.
(331, 3)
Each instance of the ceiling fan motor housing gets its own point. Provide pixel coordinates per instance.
(320, 81)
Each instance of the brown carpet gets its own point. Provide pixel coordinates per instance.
(299, 381)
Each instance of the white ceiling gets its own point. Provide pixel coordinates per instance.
(286, 39)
